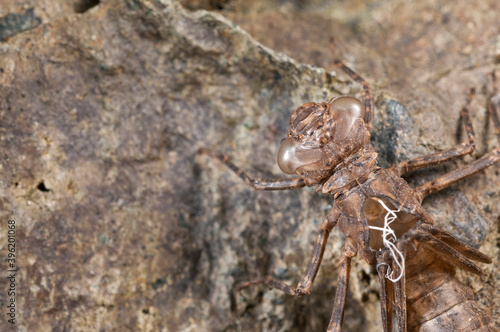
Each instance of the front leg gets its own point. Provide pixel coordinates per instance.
(366, 95)
(348, 252)
(257, 183)
(307, 279)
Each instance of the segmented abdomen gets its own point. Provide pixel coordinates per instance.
(435, 299)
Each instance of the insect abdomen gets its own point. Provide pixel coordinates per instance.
(436, 300)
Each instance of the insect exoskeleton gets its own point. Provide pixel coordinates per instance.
(328, 146)
(321, 135)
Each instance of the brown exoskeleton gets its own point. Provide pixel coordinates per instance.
(328, 146)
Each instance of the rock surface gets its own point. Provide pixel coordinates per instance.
(120, 225)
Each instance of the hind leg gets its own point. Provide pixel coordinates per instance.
(444, 156)
(487, 160)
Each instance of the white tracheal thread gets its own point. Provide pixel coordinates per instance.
(389, 238)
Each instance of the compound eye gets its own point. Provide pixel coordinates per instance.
(345, 111)
(291, 156)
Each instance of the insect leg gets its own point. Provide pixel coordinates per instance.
(444, 156)
(400, 292)
(366, 95)
(448, 179)
(257, 183)
(487, 160)
(492, 107)
(386, 290)
(335, 324)
(307, 279)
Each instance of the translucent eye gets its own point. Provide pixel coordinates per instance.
(291, 156)
(346, 104)
(345, 111)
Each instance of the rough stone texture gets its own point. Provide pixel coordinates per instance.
(13, 23)
(122, 226)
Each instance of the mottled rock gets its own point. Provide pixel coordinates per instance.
(395, 140)
(13, 23)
